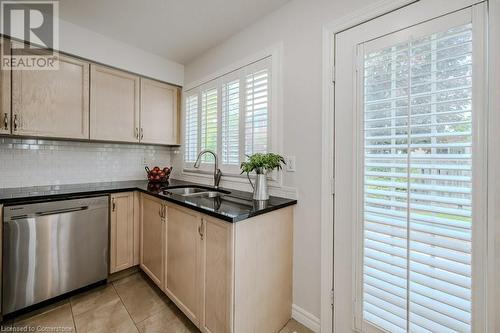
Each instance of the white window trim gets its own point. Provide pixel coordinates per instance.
(205, 173)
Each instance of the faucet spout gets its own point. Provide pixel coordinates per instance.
(217, 172)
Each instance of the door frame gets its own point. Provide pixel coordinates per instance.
(328, 145)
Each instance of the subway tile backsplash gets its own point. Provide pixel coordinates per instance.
(43, 162)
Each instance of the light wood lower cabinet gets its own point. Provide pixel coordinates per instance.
(183, 268)
(153, 239)
(263, 249)
(122, 232)
(226, 277)
(217, 284)
(52, 103)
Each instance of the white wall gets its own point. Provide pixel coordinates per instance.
(298, 25)
(79, 41)
(88, 44)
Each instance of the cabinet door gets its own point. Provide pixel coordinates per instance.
(183, 260)
(114, 105)
(122, 231)
(137, 228)
(52, 103)
(217, 262)
(153, 238)
(159, 113)
(4, 90)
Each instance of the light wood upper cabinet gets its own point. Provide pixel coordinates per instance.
(183, 282)
(153, 232)
(5, 112)
(159, 113)
(217, 261)
(114, 105)
(88, 101)
(52, 103)
(122, 231)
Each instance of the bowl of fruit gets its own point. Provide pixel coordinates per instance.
(157, 175)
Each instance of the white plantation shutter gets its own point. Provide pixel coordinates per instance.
(231, 122)
(209, 122)
(417, 229)
(231, 116)
(191, 129)
(257, 101)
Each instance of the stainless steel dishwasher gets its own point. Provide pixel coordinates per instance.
(52, 248)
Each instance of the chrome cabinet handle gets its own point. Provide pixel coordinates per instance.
(142, 133)
(137, 133)
(16, 123)
(200, 229)
(6, 121)
(163, 212)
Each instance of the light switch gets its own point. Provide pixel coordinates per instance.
(290, 163)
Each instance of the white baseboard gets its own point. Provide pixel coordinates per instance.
(305, 318)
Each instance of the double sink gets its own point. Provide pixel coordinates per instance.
(196, 191)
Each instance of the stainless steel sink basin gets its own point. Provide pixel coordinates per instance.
(185, 191)
(192, 191)
(209, 194)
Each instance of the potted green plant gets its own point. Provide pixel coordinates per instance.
(262, 164)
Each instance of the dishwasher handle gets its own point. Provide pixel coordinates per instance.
(61, 211)
(50, 212)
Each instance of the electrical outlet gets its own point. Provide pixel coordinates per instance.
(290, 163)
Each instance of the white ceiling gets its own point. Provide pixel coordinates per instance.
(179, 30)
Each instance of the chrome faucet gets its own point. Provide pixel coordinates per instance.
(217, 172)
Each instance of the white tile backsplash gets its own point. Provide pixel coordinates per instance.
(42, 162)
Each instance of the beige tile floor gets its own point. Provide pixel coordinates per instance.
(132, 304)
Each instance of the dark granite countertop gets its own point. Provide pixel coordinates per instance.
(233, 207)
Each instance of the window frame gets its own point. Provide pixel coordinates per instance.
(272, 57)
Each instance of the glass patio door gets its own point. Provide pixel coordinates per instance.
(419, 162)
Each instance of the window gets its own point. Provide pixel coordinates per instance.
(256, 112)
(417, 182)
(191, 130)
(209, 121)
(231, 122)
(232, 117)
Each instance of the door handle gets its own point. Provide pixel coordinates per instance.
(113, 204)
(6, 121)
(142, 133)
(137, 133)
